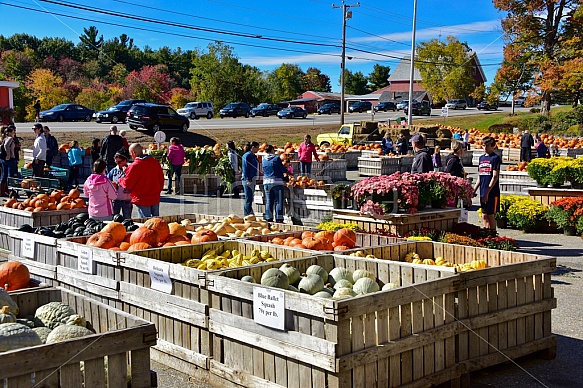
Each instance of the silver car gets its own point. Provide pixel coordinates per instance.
(456, 104)
(194, 110)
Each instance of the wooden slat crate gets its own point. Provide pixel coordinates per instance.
(378, 166)
(182, 315)
(334, 169)
(118, 354)
(5, 241)
(198, 184)
(401, 223)
(350, 156)
(16, 218)
(478, 152)
(515, 182)
(546, 196)
(37, 252)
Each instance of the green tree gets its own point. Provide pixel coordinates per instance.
(379, 77)
(90, 43)
(286, 82)
(355, 83)
(316, 81)
(446, 68)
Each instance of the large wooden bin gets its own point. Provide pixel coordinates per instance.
(119, 351)
(13, 217)
(37, 252)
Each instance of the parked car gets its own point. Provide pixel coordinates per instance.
(456, 104)
(116, 113)
(385, 106)
(196, 109)
(486, 106)
(264, 110)
(329, 108)
(360, 106)
(292, 112)
(418, 109)
(402, 104)
(67, 112)
(235, 109)
(156, 117)
(519, 101)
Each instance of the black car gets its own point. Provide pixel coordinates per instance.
(292, 112)
(486, 106)
(418, 109)
(156, 117)
(67, 112)
(329, 109)
(360, 106)
(235, 109)
(264, 110)
(385, 106)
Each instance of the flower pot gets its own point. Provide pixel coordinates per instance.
(577, 185)
(570, 231)
(502, 224)
(346, 203)
(438, 204)
(337, 203)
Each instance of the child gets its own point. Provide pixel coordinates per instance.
(305, 152)
(100, 192)
(437, 159)
(123, 201)
(75, 155)
(176, 157)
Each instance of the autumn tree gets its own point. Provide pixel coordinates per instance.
(355, 83)
(47, 87)
(151, 83)
(379, 77)
(314, 80)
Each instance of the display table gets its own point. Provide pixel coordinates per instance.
(547, 195)
(400, 223)
(515, 182)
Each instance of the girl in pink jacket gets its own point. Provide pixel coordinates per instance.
(100, 192)
(176, 157)
(307, 149)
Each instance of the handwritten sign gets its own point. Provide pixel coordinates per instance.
(444, 112)
(269, 307)
(159, 275)
(27, 247)
(85, 260)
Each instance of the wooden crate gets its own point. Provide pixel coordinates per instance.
(436, 328)
(5, 241)
(120, 350)
(195, 218)
(378, 166)
(479, 152)
(199, 184)
(17, 218)
(334, 169)
(546, 196)
(400, 223)
(37, 252)
(515, 182)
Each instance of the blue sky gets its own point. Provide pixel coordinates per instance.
(268, 33)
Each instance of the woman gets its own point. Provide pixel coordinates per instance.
(436, 159)
(249, 173)
(95, 149)
(75, 156)
(176, 157)
(453, 163)
(273, 172)
(9, 161)
(305, 152)
(123, 201)
(52, 145)
(387, 144)
(100, 192)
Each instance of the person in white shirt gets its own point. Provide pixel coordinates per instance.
(467, 140)
(39, 151)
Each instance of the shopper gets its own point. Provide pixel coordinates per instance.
(250, 172)
(100, 192)
(422, 161)
(52, 145)
(7, 158)
(109, 147)
(526, 144)
(176, 157)
(39, 151)
(273, 172)
(436, 159)
(95, 150)
(402, 145)
(453, 162)
(75, 156)
(37, 108)
(387, 144)
(123, 200)
(467, 139)
(488, 183)
(126, 145)
(305, 152)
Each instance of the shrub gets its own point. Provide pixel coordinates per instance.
(505, 202)
(526, 214)
(501, 128)
(502, 243)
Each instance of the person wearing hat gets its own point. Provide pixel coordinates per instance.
(123, 201)
(422, 160)
(109, 146)
(39, 151)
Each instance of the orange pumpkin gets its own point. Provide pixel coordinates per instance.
(9, 202)
(63, 206)
(277, 240)
(139, 246)
(312, 243)
(101, 240)
(182, 243)
(169, 244)
(145, 235)
(340, 248)
(74, 193)
(345, 237)
(203, 236)
(325, 234)
(117, 230)
(307, 234)
(127, 237)
(124, 246)
(174, 238)
(14, 276)
(176, 228)
(160, 226)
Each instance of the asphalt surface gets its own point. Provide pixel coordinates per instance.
(567, 319)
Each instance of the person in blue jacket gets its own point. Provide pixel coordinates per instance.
(273, 173)
(75, 155)
(387, 144)
(249, 173)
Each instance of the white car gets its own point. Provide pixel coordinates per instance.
(194, 110)
(456, 104)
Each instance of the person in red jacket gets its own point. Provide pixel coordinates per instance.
(145, 180)
(307, 149)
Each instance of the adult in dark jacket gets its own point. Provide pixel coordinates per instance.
(109, 147)
(52, 145)
(526, 144)
(422, 160)
(250, 171)
(273, 172)
(453, 163)
(402, 145)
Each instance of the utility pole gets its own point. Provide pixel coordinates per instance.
(345, 15)
(412, 73)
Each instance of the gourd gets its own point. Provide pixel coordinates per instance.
(76, 320)
(362, 273)
(54, 314)
(345, 237)
(16, 336)
(292, 273)
(428, 262)
(273, 277)
(66, 332)
(14, 276)
(342, 293)
(6, 316)
(145, 235)
(390, 286)
(343, 283)
(160, 226)
(311, 284)
(6, 300)
(341, 273)
(43, 333)
(317, 270)
(365, 286)
(323, 294)
(292, 288)
(478, 264)
(248, 279)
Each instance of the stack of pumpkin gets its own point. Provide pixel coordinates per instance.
(335, 148)
(235, 226)
(153, 234)
(325, 240)
(522, 167)
(304, 182)
(56, 200)
(366, 147)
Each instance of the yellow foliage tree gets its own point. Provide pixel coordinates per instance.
(47, 87)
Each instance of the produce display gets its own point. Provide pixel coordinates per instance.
(414, 258)
(14, 276)
(235, 226)
(304, 182)
(522, 167)
(211, 260)
(80, 225)
(325, 240)
(56, 200)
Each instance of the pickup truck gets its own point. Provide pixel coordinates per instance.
(350, 134)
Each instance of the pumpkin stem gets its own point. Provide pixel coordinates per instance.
(5, 310)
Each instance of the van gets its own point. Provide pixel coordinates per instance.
(456, 104)
(196, 109)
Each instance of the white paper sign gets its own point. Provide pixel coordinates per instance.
(464, 215)
(269, 307)
(160, 137)
(444, 112)
(85, 259)
(159, 275)
(27, 247)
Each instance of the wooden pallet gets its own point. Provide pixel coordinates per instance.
(17, 218)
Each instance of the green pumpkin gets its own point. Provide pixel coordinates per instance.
(317, 270)
(292, 273)
(311, 284)
(273, 277)
(365, 286)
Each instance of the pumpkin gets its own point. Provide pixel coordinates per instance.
(248, 279)
(145, 235)
(54, 314)
(102, 240)
(9, 202)
(390, 286)
(362, 273)
(124, 246)
(343, 283)
(341, 248)
(277, 240)
(139, 246)
(6, 300)
(346, 237)
(43, 333)
(307, 234)
(323, 294)
(74, 193)
(273, 277)
(343, 293)
(365, 286)
(63, 206)
(117, 230)
(14, 276)
(317, 270)
(176, 228)
(67, 332)
(16, 336)
(340, 273)
(203, 236)
(6, 316)
(174, 238)
(312, 243)
(292, 273)
(160, 226)
(311, 284)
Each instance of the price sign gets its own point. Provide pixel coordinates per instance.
(85, 260)
(27, 247)
(159, 276)
(269, 307)
(444, 112)
(160, 137)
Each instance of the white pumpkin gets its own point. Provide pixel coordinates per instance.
(311, 284)
(362, 273)
(365, 286)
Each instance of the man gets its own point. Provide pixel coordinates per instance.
(488, 184)
(145, 180)
(36, 107)
(250, 169)
(422, 160)
(124, 199)
(39, 151)
(52, 145)
(402, 145)
(526, 144)
(109, 147)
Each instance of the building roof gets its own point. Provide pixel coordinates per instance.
(8, 84)
(403, 70)
(371, 96)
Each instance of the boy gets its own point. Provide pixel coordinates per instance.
(488, 184)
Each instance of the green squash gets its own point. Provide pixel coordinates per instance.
(67, 332)
(248, 279)
(311, 284)
(390, 286)
(317, 270)
(339, 273)
(273, 277)
(323, 294)
(6, 316)
(292, 273)
(343, 293)
(16, 336)
(362, 273)
(342, 283)
(365, 286)
(54, 314)
(43, 333)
